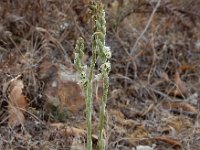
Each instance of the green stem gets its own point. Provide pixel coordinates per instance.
(102, 113)
(98, 45)
(88, 117)
(89, 100)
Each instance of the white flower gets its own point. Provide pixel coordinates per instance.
(98, 77)
(107, 52)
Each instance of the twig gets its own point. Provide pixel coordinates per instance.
(146, 27)
(141, 35)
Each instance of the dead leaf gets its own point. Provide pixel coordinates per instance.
(69, 130)
(119, 118)
(179, 106)
(178, 123)
(17, 102)
(168, 140)
(138, 133)
(15, 117)
(181, 87)
(186, 68)
(72, 131)
(77, 145)
(86, 1)
(15, 95)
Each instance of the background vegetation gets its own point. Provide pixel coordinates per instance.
(154, 81)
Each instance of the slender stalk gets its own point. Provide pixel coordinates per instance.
(104, 54)
(98, 49)
(87, 86)
(89, 100)
(88, 117)
(102, 113)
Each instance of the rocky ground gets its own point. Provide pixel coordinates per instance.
(153, 101)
